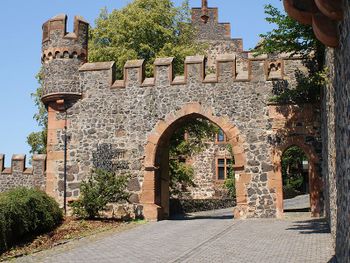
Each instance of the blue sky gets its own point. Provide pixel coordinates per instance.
(20, 45)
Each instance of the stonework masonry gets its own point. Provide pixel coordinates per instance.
(216, 35)
(18, 175)
(125, 125)
(342, 137)
(207, 185)
(329, 149)
(331, 24)
(128, 123)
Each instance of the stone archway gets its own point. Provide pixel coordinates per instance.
(154, 208)
(315, 182)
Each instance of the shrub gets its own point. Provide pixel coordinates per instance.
(97, 191)
(26, 212)
(230, 185)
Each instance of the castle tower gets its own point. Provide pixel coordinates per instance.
(62, 54)
(215, 34)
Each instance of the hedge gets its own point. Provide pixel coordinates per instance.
(183, 206)
(26, 213)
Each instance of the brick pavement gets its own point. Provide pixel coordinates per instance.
(215, 238)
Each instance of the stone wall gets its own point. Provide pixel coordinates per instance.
(329, 148)
(125, 125)
(212, 30)
(342, 135)
(18, 175)
(217, 36)
(205, 177)
(298, 125)
(122, 114)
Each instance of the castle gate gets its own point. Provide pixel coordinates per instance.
(127, 123)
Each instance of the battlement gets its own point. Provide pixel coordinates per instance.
(229, 67)
(18, 162)
(19, 175)
(58, 43)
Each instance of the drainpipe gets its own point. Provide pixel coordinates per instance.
(65, 163)
(63, 106)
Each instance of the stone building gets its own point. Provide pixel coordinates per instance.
(331, 24)
(127, 124)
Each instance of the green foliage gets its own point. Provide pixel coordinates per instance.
(38, 140)
(144, 29)
(198, 132)
(230, 181)
(292, 168)
(308, 89)
(26, 212)
(97, 191)
(181, 177)
(290, 36)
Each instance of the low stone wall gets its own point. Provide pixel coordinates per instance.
(183, 206)
(18, 175)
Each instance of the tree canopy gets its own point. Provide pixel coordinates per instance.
(144, 29)
(291, 37)
(37, 140)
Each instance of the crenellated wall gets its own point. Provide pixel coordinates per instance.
(19, 175)
(125, 125)
(62, 54)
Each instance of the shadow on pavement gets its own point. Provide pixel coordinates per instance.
(314, 226)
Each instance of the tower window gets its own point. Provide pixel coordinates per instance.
(220, 136)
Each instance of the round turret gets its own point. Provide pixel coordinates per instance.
(62, 55)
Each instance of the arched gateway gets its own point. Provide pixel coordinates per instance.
(155, 189)
(127, 123)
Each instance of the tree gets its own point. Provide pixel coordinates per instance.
(144, 29)
(38, 140)
(292, 168)
(297, 39)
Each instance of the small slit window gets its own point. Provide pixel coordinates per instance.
(220, 136)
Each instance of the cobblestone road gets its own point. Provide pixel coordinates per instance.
(217, 238)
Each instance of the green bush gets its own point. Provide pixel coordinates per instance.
(26, 212)
(97, 191)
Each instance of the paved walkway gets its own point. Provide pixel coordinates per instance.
(297, 203)
(212, 237)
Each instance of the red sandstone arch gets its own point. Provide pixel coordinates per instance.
(315, 183)
(153, 210)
